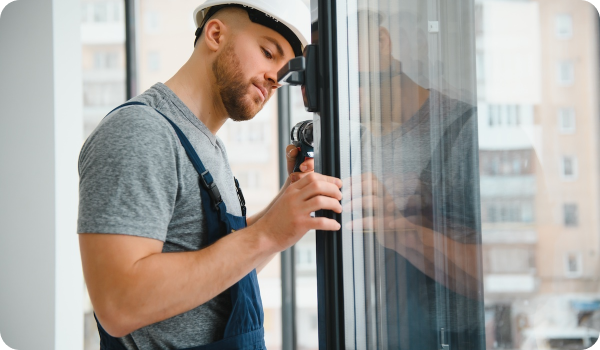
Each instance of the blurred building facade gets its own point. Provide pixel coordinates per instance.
(538, 130)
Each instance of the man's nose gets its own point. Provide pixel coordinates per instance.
(271, 78)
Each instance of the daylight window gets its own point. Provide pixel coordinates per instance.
(564, 26)
(573, 264)
(569, 168)
(153, 61)
(566, 120)
(571, 218)
(566, 73)
(152, 22)
(100, 12)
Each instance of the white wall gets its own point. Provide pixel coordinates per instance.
(41, 285)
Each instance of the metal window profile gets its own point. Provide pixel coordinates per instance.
(327, 161)
(288, 271)
(131, 75)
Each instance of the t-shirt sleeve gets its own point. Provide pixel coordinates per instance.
(128, 179)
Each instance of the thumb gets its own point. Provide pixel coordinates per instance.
(291, 152)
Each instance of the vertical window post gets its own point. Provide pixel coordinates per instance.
(327, 161)
(288, 271)
(131, 48)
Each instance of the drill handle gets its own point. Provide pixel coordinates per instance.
(304, 153)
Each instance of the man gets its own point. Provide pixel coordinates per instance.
(167, 259)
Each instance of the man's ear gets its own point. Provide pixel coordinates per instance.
(214, 32)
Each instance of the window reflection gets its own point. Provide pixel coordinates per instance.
(411, 201)
(453, 190)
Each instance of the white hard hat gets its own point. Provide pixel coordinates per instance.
(290, 18)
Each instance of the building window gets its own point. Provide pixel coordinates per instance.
(511, 260)
(568, 168)
(566, 120)
(100, 12)
(106, 60)
(116, 10)
(564, 26)
(306, 259)
(103, 94)
(85, 12)
(566, 73)
(571, 215)
(509, 115)
(153, 61)
(480, 67)
(573, 264)
(513, 162)
(509, 211)
(152, 22)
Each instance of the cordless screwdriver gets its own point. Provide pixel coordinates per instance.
(302, 138)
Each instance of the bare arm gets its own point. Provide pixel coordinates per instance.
(133, 284)
(291, 152)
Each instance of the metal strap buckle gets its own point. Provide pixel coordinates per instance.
(213, 190)
(240, 196)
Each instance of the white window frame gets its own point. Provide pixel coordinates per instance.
(153, 61)
(560, 68)
(152, 22)
(563, 26)
(566, 112)
(564, 215)
(575, 167)
(568, 272)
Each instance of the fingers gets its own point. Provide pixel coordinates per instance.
(324, 224)
(308, 165)
(291, 152)
(323, 203)
(314, 177)
(320, 188)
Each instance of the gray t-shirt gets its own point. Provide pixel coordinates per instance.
(136, 179)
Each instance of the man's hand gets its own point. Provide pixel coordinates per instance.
(306, 167)
(289, 218)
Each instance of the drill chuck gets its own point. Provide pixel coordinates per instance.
(302, 138)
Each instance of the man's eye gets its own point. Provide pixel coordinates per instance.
(267, 54)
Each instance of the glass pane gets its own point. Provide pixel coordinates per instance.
(305, 254)
(166, 38)
(469, 150)
(103, 50)
(409, 161)
(540, 220)
(104, 80)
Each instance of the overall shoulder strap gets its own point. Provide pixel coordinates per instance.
(206, 179)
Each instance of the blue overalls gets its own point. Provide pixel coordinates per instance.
(244, 329)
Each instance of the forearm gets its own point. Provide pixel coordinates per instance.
(254, 218)
(259, 215)
(163, 285)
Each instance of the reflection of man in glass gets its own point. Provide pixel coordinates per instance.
(419, 185)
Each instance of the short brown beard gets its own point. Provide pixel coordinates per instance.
(232, 88)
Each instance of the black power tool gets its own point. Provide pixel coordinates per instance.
(302, 138)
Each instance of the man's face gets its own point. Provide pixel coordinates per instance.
(246, 69)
